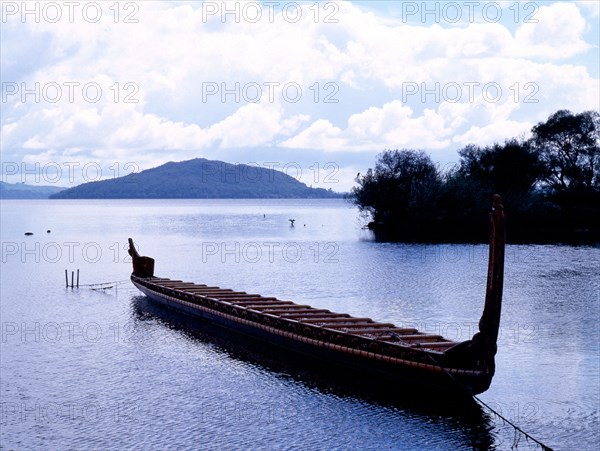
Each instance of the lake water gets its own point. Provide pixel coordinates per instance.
(83, 368)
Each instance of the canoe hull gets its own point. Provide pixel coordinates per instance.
(398, 375)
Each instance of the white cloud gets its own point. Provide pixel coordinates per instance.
(493, 132)
(395, 125)
(171, 51)
(557, 34)
(253, 125)
(391, 126)
(321, 134)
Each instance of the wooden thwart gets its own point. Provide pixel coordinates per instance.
(421, 337)
(264, 304)
(273, 309)
(254, 300)
(300, 313)
(205, 288)
(237, 296)
(364, 327)
(371, 330)
(341, 319)
(341, 322)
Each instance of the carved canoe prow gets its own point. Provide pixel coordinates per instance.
(489, 323)
(142, 266)
(483, 346)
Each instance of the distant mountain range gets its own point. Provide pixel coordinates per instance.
(22, 191)
(198, 179)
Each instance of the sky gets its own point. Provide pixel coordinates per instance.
(94, 90)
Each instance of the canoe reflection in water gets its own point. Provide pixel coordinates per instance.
(262, 379)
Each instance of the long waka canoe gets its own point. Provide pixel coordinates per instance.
(401, 357)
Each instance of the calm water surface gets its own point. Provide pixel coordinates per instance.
(107, 369)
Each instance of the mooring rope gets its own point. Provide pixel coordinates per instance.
(499, 415)
(515, 427)
(115, 283)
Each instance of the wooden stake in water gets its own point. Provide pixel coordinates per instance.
(66, 279)
(72, 277)
(77, 278)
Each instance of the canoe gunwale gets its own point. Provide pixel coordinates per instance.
(147, 285)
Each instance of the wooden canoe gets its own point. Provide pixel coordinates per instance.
(403, 357)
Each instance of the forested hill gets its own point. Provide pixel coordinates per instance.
(196, 179)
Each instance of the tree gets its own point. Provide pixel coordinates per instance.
(400, 190)
(549, 183)
(510, 169)
(568, 145)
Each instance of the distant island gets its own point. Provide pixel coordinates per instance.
(23, 191)
(199, 179)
